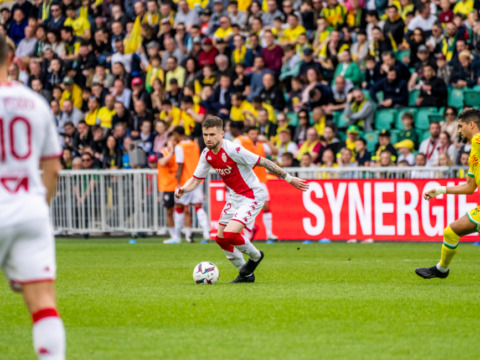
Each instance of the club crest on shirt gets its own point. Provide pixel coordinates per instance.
(209, 158)
(224, 157)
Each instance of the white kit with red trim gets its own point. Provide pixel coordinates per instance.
(27, 135)
(234, 164)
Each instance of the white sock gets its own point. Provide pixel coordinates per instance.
(203, 221)
(267, 221)
(171, 232)
(236, 258)
(188, 232)
(441, 268)
(250, 250)
(247, 234)
(49, 338)
(179, 217)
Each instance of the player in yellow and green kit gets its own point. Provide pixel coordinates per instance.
(469, 129)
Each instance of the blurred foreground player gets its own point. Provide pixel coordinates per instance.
(469, 129)
(234, 164)
(28, 139)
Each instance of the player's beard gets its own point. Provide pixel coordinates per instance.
(211, 147)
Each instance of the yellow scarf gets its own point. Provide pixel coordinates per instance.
(358, 107)
(306, 148)
(239, 55)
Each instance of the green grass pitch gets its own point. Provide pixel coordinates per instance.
(317, 301)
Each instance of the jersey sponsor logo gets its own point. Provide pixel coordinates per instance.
(224, 157)
(14, 103)
(209, 158)
(14, 184)
(223, 172)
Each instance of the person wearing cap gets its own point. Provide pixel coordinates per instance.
(308, 63)
(352, 136)
(467, 72)
(405, 148)
(444, 71)
(359, 110)
(208, 54)
(384, 144)
(71, 92)
(139, 92)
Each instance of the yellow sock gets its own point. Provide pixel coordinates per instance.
(449, 247)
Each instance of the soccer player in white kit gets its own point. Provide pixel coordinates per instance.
(28, 139)
(234, 164)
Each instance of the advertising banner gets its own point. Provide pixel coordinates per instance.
(392, 209)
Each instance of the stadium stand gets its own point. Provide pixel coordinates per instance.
(132, 70)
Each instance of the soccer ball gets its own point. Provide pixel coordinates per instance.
(205, 273)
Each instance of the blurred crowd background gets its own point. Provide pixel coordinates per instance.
(327, 83)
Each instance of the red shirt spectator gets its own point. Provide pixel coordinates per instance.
(272, 54)
(207, 56)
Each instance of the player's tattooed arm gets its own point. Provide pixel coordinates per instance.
(272, 167)
(300, 184)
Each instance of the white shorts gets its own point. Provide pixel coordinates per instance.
(27, 253)
(241, 209)
(193, 197)
(267, 194)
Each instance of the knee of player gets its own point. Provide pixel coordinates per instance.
(450, 236)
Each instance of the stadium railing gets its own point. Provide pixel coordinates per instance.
(120, 202)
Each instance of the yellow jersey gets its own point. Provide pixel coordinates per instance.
(222, 33)
(236, 113)
(105, 117)
(464, 8)
(473, 159)
(174, 113)
(79, 25)
(335, 16)
(293, 34)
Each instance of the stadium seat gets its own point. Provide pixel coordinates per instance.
(384, 118)
(423, 121)
(471, 98)
(398, 121)
(339, 120)
(394, 137)
(436, 117)
(412, 97)
(399, 55)
(371, 138)
(293, 117)
(367, 94)
(455, 97)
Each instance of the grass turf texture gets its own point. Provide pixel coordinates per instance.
(332, 301)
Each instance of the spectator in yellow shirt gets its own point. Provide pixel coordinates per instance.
(224, 31)
(91, 117)
(80, 25)
(71, 92)
(174, 72)
(464, 7)
(294, 30)
(170, 114)
(106, 113)
(335, 13)
(240, 108)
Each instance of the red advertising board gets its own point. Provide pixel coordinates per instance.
(356, 209)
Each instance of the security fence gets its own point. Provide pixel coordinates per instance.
(128, 201)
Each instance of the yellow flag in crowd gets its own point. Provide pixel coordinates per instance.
(135, 38)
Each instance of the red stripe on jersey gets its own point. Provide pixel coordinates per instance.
(196, 177)
(44, 313)
(259, 158)
(49, 157)
(228, 170)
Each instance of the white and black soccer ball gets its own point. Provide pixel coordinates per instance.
(205, 273)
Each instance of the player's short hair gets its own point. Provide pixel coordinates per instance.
(470, 114)
(3, 50)
(239, 125)
(363, 141)
(250, 128)
(180, 130)
(212, 121)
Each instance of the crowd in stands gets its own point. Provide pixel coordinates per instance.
(327, 83)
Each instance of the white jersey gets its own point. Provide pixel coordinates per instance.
(27, 135)
(234, 164)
